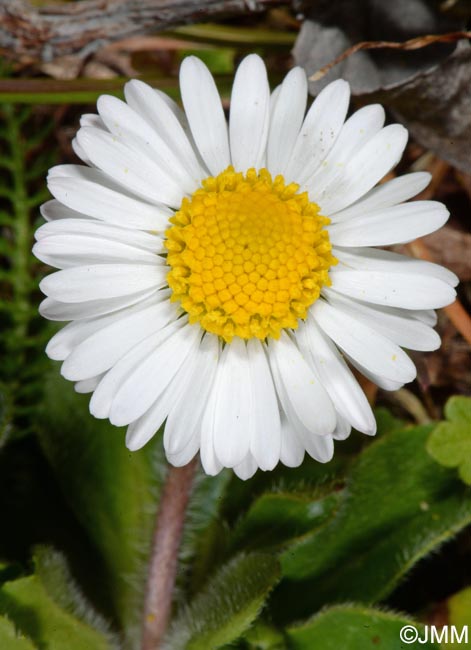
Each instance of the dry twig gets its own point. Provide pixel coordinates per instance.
(29, 33)
(412, 44)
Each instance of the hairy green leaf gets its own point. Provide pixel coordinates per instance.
(276, 518)
(53, 571)
(10, 639)
(227, 606)
(396, 508)
(450, 442)
(351, 627)
(26, 602)
(113, 492)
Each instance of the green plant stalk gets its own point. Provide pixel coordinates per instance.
(21, 256)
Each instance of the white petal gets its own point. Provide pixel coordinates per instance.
(96, 200)
(233, 424)
(343, 428)
(152, 376)
(319, 131)
(373, 351)
(341, 385)
(374, 259)
(355, 133)
(61, 311)
(405, 290)
(66, 251)
(266, 437)
(157, 112)
(249, 114)
(209, 460)
(184, 456)
(100, 351)
(395, 324)
(92, 228)
(319, 447)
(205, 114)
(385, 195)
(292, 451)
(93, 282)
(396, 225)
(130, 167)
(137, 134)
(55, 211)
(247, 468)
(273, 100)
(427, 316)
(92, 174)
(66, 339)
(144, 428)
(91, 119)
(364, 170)
(80, 153)
(286, 118)
(88, 385)
(379, 380)
(300, 391)
(102, 399)
(185, 419)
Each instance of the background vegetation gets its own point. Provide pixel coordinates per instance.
(321, 557)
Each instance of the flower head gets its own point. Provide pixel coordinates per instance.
(218, 278)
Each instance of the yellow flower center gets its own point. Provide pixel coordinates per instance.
(248, 255)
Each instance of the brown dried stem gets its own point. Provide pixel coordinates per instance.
(29, 33)
(412, 44)
(164, 556)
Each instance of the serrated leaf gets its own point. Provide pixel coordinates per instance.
(10, 639)
(113, 492)
(52, 570)
(396, 508)
(450, 442)
(50, 627)
(227, 606)
(354, 628)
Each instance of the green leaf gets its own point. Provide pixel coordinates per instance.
(276, 518)
(205, 535)
(227, 606)
(459, 609)
(26, 602)
(450, 442)
(112, 491)
(10, 639)
(397, 507)
(262, 636)
(53, 571)
(350, 627)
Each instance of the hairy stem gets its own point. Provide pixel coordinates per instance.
(164, 556)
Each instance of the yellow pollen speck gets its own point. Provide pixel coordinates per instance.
(248, 255)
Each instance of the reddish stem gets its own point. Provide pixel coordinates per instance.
(164, 556)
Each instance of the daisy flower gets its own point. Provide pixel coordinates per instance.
(221, 278)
